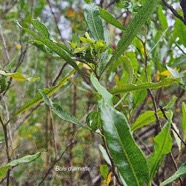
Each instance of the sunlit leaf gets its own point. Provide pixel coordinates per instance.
(18, 77)
(104, 171)
(132, 87)
(147, 118)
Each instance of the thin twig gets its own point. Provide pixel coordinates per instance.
(53, 164)
(55, 18)
(175, 13)
(165, 116)
(112, 162)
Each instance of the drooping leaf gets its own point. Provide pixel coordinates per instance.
(55, 48)
(162, 146)
(133, 28)
(48, 91)
(132, 87)
(59, 111)
(94, 21)
(147, 118)
(25, 159)
(41, 28)
(180, 172)
(110, 19)
(18, 77)
(128, 158)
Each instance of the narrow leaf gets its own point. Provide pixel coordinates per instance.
(55, 48)
(128, 158)
(58, 110)
(48, 91)
(104, 171)
(132, 87)
(180, 172)
(25, 159)
(94, 21)
(162, 146)
(110, 19)
(41, 28)
(133, 28)
(147, 118)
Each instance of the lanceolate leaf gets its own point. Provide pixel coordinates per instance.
(48, 91)
(133, 28)
(180, 172)
(25, 159)
(94, 21)
(55, 48)
(162, 146)
(132, 87)
(147, 118)
(110, 19)
(58, 110)
(40, 27)
(128, 158)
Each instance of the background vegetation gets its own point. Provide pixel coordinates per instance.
(137, 85)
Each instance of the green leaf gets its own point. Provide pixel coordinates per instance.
(102, 91)
(104, 171)
(147, 118)
(179, 29)
(104, 154)
(94, 21)
(162, 146)
(41, 28)
(128, 158)
(55, 48)
(59, 111)
(162, 18)
(93, 120)
(104, 59)
(133, 28)
(132, 87)
(184, 119)
(110, 19)
(25, 159)
(180, 172)
(18, 77)
(48, 91)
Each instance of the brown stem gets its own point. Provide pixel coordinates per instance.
(175, 13)
(112, 162)
(7, 149)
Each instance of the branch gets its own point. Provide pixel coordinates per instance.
(175, 13)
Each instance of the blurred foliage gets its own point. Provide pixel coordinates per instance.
(155, 54)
